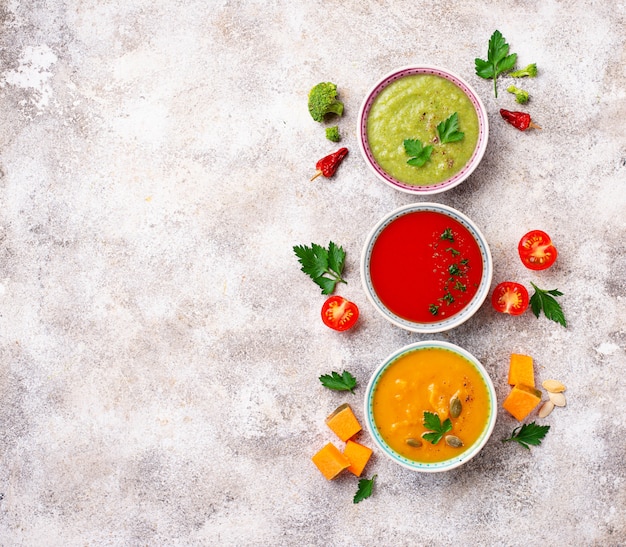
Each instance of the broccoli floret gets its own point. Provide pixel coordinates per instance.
(530, 70)
(521, 96)
(332, 133)
(323, 100)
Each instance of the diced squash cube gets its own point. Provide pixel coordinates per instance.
(521, 370)
(330, 461)
(358, 455)
(521, 401)
(343, 422)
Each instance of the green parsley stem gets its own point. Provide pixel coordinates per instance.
(336, 277)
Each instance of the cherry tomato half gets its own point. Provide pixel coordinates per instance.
(339, 313)
(536, 250)
(510, 297)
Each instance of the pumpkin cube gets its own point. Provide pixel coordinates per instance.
(522, 401)
(330, 461)
(358, 455)
(521, 370)
(343, 422)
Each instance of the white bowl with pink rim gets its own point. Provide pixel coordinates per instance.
(455, 178)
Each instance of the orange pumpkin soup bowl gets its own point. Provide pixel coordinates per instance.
(430, 406)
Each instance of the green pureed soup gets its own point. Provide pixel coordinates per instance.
(411, 108)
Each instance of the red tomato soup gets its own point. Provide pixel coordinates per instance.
(425, 266)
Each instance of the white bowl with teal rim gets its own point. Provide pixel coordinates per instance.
(393, 114)
(455, 461)
(416, 284)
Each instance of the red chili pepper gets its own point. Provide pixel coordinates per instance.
(328, 164)
(519, 120)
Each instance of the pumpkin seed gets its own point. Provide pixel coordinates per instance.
(553, 386)
(415, 443)
(557, 398)
(546, 408)
(454, 441)
(455, 406)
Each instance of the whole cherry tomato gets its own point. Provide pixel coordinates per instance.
(510, 297)
(339, 313)
(537, 250)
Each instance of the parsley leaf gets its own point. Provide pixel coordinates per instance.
(528, 434)
(498, 59)
(448, 130)
(419, 153)
(364, 490)
(447, 234)
(437, 429)
(448, 298)
(339, 382)
(460, 286)
(322, 265)
(544, 300)
(336, 258)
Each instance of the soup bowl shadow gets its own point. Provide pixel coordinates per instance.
(430, 467)
(435, 325)
(458, 177)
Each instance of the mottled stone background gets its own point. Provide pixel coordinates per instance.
(159, 347)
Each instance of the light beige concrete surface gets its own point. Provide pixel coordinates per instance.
(160, 349)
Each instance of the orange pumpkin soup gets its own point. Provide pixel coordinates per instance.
(426, 380)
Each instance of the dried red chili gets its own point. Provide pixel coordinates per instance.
(328, 164)
(519, 120)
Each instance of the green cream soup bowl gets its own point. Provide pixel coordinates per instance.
(422, 130)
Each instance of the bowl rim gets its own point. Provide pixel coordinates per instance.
(433, 467)
(458, 318)
(457, 178)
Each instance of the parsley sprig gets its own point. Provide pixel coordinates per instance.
(528, 434)
(324, 266)
(447, 234)
(437, 429)
(543, 300)
(498, 60)
(339, 382)
(419, 154)
(364, 490)
(448, 130)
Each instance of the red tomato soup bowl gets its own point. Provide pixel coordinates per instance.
(430, 406)
(426, 267)
(410, 103)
